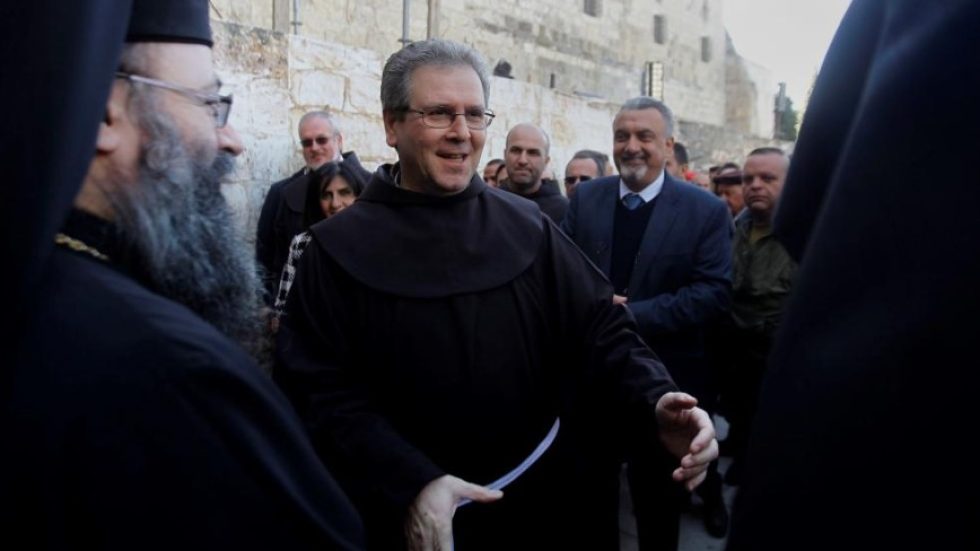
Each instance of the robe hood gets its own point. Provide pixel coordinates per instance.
(425, 246)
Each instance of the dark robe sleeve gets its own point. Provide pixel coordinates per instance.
(40, 183)
(138, 426)
(568, 221)
(883, 313)
(620, 370)
(217, 456)
(838, 100)
(318, 373)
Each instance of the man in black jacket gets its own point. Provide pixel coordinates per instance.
(281, 217)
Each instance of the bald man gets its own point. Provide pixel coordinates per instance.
(526, 158)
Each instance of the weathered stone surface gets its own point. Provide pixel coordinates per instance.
(248, 12)
(251, 111)
(710, 145)
(256, 51)
(602, 56)
(318, 89)
(748, 87)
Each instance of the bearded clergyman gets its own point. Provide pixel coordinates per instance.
(135, 417)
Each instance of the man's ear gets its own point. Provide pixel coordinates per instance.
(110, 134)
(390, 117)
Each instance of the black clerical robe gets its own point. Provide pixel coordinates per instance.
(133, 424)
(442, 335)
(548, 198)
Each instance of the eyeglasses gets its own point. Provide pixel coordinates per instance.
(220, 105)
(569, 180)
(308, 142)
(441, 117)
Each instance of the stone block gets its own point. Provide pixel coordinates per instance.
(317, 89)
(255, 51)
(364, 96)
(261, 105)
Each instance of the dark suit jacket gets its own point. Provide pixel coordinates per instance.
(682, 277)
(269, 252)
(871, 392)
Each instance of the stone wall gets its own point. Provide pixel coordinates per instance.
(750, 95)
(711, 145)
(543, 40)
(277, 77)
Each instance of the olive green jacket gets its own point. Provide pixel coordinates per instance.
(762, 278)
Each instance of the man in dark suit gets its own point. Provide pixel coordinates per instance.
(870, 398)
(666, 247)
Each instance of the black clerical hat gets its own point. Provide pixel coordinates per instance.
(170, 21)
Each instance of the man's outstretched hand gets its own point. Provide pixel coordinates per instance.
(687, 432)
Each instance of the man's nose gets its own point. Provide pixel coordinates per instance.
(229, 140)
(458, 128)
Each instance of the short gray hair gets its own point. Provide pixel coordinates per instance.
(325, 115)
(646, 102)
(396, 77)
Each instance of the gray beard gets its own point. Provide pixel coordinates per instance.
(181, 227)
(632, 175)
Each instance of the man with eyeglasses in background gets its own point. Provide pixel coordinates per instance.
(585, 165)
(140, 421)
(281, 217)
(439, 332)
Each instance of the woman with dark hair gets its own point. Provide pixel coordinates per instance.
(330, 189)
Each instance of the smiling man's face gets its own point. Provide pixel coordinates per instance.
(438, 161)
